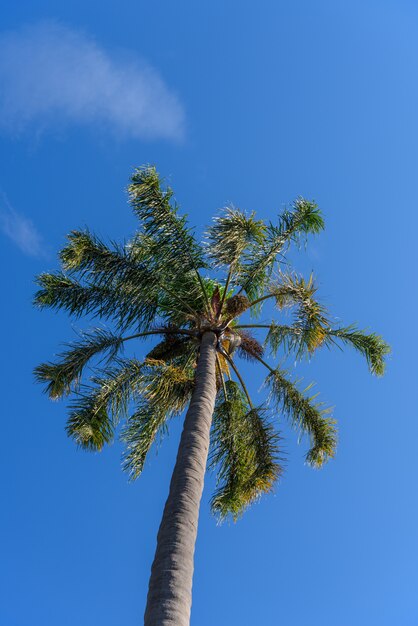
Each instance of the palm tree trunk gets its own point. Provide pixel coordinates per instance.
(170, 588)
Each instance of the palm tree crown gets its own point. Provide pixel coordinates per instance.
(158, 285)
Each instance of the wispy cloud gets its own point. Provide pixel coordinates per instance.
(50, 75)
(20, 229)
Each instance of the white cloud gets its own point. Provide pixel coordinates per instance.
(20, 230)
(50, 75)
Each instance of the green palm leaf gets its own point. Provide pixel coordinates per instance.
(370, 345)
(175, 251)
(231, 233)
(61, 376)
(304, 218)
(166, 389)
(123, 303)
(307, 416)
(245, 450)
(97, 409)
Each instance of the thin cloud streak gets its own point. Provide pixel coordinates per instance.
(51, 75)
(20, 230)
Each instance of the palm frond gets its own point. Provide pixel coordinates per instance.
(167, 385)
(179, 285)
(166, 389)
(85, 253)
(167, 232)
(303, 338)
(310, 326)
(89, 423)
(230, 235)
(245, 452)
(307, 416)
(115, 269)
(97, 409)
(143, 427)
(123, 303)
(290, 289)
(303, 219)
(283, 336)
(59, 291)
(61, 377)
(370, 345)
(139, 273)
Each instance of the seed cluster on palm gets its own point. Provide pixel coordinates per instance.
(159, 284)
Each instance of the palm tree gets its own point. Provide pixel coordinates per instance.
(157, 285)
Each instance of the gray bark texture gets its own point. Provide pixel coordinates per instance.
(170, 588)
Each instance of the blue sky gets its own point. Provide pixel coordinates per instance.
(233, 103)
